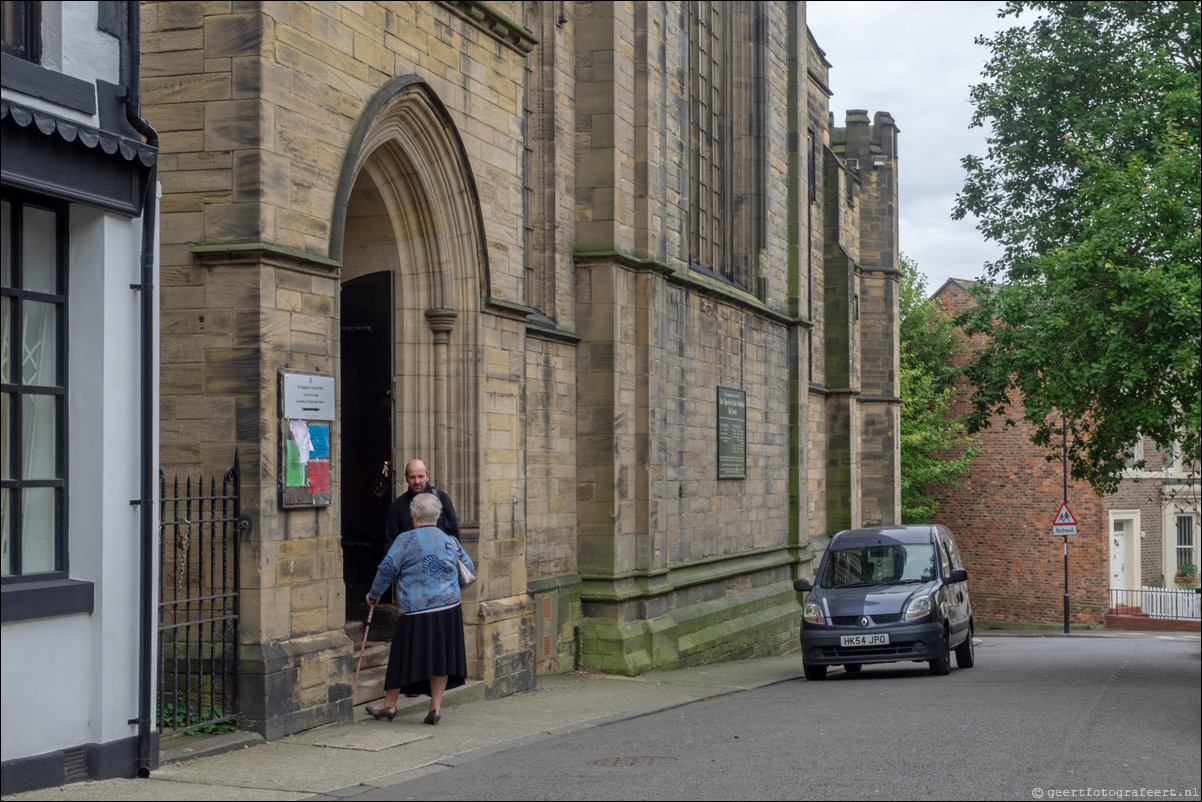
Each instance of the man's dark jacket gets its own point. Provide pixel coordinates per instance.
(400, 519)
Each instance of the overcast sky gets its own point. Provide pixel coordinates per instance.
(917, 60)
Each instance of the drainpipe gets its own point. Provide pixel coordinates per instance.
(133, 105)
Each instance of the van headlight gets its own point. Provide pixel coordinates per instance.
(919, 608)
(812, 614)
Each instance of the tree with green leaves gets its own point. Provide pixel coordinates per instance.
(934, 446)
(1090, 183)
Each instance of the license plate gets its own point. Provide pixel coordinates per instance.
(877, 639)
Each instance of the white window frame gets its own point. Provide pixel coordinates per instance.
(1173, 511)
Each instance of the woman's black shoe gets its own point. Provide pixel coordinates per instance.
(386, 713)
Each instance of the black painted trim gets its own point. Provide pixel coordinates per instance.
(51, 156)
(56, 87)
(107, 761)
(26, 601)
(32, 773)
(111, 18)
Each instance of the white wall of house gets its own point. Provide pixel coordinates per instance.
(73, 680)
(86, 52)
(46, 671)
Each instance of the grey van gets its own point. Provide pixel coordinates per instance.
(887, 594)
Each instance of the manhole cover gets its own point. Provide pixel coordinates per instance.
(629, 762)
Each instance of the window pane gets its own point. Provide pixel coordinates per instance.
(1185, 540)
(1172, 457)
(32, 367)
(6, 313)
(6, 563)
(37, 530)
(38, 253)
(14, 27)
(6, 267)
(39, 362)
(39, 425)
(6, 411)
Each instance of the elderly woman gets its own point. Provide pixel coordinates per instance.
(428, 655)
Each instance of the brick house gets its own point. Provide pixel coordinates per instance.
(609, 268)
(1153, 522)
(1003, 510)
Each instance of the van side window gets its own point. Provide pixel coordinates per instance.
(946, 559)
(953, 553)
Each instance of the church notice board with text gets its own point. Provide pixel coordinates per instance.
(306, 418)
(732, 433)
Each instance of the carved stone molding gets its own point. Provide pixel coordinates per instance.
(441, 321)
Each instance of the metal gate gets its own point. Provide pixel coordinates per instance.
(199, 533)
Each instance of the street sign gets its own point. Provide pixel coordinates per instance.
(1064, 524)
(1063, 516)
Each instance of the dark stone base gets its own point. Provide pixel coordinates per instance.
(275, 699)
(107, 761)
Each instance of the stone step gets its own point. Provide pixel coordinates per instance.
(383, 624)
(371, 685)
(374, 655)
(375, 649)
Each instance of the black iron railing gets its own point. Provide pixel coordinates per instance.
(198, 602)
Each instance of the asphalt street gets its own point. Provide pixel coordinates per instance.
(1035, 718)
(1041, 715)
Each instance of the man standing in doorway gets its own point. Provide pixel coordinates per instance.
(399, 518)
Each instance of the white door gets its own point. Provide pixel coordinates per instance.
(1118, 554)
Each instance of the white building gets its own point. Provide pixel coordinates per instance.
(78, 414)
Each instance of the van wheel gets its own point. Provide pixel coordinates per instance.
(942, 665)
(815, 673)
(965, 655)
(853, 668)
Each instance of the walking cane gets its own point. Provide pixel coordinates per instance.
(371, 609)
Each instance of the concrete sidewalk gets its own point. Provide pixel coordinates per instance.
(340, 762)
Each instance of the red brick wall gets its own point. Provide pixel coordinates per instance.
(1001, 515)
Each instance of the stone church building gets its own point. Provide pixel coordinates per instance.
(609, 268)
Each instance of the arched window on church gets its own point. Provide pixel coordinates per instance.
(727, 114)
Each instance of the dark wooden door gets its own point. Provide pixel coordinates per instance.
(366, 455)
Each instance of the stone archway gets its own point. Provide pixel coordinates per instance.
(407, 206)
(423, 222)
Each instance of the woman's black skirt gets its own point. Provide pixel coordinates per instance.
(427, 645)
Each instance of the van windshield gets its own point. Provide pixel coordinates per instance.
(879, 565)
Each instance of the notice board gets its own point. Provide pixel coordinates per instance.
(306, 418)
(732, 433)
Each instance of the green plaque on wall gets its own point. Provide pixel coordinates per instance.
(732, 433)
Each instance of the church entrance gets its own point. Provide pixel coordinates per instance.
(367, 404)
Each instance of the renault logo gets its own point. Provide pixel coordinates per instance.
(864, 621)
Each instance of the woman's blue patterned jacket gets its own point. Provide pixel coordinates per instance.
(422, 564)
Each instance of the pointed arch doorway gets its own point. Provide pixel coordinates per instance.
(413, 274)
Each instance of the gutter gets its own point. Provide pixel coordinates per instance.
(146, 583)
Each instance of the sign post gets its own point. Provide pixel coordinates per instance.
(1063, 525)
